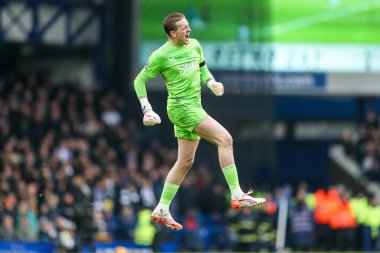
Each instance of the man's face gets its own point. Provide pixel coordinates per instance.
(182, 33)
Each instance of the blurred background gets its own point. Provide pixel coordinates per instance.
(80, 173)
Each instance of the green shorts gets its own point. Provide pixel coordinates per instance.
(186, 115)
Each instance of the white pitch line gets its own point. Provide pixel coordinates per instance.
(322, 17)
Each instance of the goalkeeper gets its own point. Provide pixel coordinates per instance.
(181, 63)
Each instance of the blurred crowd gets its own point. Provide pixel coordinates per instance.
(365, 147)
(75, 169)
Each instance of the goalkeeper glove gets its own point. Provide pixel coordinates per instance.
(150, 117)
(216, 87)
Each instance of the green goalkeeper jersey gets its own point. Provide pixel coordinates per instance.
(182, 67)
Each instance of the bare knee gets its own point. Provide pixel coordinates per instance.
(186, 163)
(226, 140)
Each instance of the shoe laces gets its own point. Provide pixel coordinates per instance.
(250, 191)
(164, 214)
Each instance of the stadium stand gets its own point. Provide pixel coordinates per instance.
(75, 171)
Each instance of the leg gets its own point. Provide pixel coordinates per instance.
(185, 158)
(210, 130)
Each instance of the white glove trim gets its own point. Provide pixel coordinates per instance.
(150, 117)
(145, 105)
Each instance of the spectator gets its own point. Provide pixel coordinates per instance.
(148, 198)
(7, 231)
(371, 121)
(326, 205)
(348, 144)
(26, 227)
(372, 227)
(343, 223)
(46, 221)
(127, 223)
(83, 211)
(128, 196)
(243, 227)
(192, 241)
(188, 195)
(371, 161)
(301, 223)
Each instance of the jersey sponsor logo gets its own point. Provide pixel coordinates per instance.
(185, 67)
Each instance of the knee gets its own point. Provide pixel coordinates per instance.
(226, 140)
(187, 163)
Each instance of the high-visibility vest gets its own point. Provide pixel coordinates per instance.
(145, 231)
(373, 219)
(311, 201)
(360, 206)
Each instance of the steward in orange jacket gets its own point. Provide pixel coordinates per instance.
(344, 217)
(326, 206)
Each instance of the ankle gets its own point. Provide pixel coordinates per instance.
(236, 193)
(161, 208)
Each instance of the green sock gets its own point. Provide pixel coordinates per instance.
(231, 175)
(168, 193)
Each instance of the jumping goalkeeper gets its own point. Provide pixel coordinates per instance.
(181, 63)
